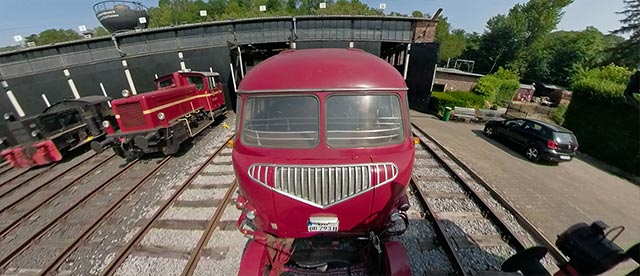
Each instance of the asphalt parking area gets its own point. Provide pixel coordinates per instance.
(552, 196)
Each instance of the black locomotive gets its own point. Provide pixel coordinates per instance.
(45, 138)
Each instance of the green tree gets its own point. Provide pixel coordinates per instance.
(100, 31)
(628, 52)
(573, 50)
(452, 42)
(517, 40)
(417, 14)
(51, 36)
(393, 13)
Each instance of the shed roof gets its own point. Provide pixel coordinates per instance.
(458, 72)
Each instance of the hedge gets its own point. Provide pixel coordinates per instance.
(440, 100)
(606, 126)
(498, 87)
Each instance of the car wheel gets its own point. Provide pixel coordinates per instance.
(489, 131)
(532, 153)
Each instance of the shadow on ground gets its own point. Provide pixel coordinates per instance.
(509, 147)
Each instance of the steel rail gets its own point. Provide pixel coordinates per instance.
(60, 258)
(52, 179)
(510, 235)
(29, 178)
(196, 253)
(121, 256)
(4, 167)
(19, 172)
(524, 222)
(440, 229)
(16, 222)
(49, 225)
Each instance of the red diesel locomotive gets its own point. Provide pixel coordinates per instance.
(184, 103)
(323, 156)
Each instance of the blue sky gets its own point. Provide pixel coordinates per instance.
(24, 17)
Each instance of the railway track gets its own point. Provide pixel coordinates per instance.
(26, 204)
(94, 200)
(472, 230)
(175, 213)
(15, 178)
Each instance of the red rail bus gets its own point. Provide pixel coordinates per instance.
(184, 103)
(323, 156)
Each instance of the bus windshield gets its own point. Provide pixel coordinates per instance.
(281, 122)
(364, 120)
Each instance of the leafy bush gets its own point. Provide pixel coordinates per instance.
(606, 126)
(498, 87)
(558, 114)
(602, 84)
(440, 100)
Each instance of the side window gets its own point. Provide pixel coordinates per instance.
(197, 81)
(165, 83)
(514, 123)
(534, 128)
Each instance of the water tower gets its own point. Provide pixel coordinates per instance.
(118, 16)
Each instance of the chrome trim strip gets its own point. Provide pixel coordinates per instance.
(326, 192)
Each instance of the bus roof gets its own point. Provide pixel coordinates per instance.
(322, 70)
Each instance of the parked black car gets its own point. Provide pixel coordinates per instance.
(542, 141)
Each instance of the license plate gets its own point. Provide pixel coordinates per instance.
(322, 225)
(565, 157)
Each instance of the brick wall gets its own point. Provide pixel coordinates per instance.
(424, 31)
(455, 82)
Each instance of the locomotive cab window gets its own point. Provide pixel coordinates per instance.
(197, 81)
(364, 120)
(165, 83)
(281, 122)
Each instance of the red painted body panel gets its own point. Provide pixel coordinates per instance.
(397, 259)
(312, 71)
(360, 214)
(272, 212)
(175, 102)
(256, 259)
(322, 68)
(44, 152)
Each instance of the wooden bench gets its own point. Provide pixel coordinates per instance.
(491, 115)
(464, 113)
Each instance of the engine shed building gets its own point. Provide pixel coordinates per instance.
(132, 60)
(449, 79)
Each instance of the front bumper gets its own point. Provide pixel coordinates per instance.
(555, 156)
(37, 154)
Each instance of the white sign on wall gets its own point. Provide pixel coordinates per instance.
(82, 28)
(203, 13)
(383, 6)
(323, 5)
(17, 38)
(142, 20)
(263, 8)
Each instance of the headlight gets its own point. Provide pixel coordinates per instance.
(125, 93)
(35, 133)
(106, 124)
(161, 116)
(8, 116)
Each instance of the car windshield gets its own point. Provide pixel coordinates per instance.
(363, 120)
(563, 137)
(281, 122)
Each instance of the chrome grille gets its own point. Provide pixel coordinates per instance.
(131, 115)
(323, 185)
